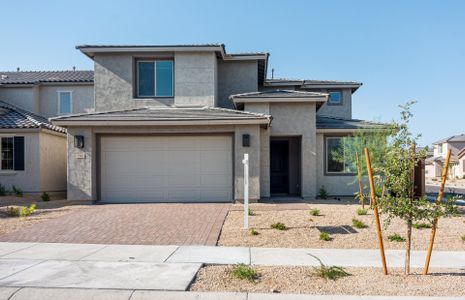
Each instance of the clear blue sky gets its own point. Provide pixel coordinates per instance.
(400, 50)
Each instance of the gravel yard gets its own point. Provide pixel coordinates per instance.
(45, 211)
(362, 281)
(336, 219)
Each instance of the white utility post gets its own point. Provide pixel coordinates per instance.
(245, 161)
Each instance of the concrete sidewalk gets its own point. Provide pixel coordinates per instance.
(118, 294)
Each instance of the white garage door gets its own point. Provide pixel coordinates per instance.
(166, 169)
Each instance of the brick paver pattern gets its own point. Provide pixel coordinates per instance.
(131, 224)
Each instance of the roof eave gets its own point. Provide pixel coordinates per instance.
(67, 123)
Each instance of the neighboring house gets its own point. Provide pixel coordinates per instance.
(172, 124)
(434, 164)
(33, 150)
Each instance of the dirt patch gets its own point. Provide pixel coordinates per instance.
(362, 281)
(336, 219)
(44, 211)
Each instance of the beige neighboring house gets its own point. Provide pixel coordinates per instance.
(434, 164)
(33, 151)
(172, 124)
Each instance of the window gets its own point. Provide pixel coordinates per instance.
(7, 153)
(65, 103)
(155, 78)
(337, 159)
(335, 98)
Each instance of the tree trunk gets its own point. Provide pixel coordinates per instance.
(408, 246)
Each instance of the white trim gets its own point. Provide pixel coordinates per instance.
(59, 102)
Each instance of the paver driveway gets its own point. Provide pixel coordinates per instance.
(141, 224)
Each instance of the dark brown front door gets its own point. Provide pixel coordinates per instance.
(279, 161)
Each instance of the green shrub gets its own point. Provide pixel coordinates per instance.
(244, 272)
(278, 226)
(314, 212)
(328, 272)
(12, 211)
(323, 194)
(17, 191)
(358, 224)
(421, 225)
(324, 236)
(251, 212)
(396, 238)
(45, 197)
(463, 237)
(253, 231)
(3, 190)
(361, 211)
(27, 211)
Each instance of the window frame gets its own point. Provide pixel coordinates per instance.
(152, 60)
(341, 102)
(12, 170)
(59, 102)
(326, 157)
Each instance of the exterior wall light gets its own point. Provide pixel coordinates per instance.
(246, 140)
(79, 141)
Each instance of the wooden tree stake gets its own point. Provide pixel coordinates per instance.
(375, 210)
(359, 171)
(435, 222)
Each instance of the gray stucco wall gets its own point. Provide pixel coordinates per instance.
(52, 162)
(341, 111)
(23, 97)
(82, 163)
(235, 77)
(82, 98)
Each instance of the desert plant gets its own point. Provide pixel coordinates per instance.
(324, 236)
(323, 194)
(251, 212)
(12, 211)
(278, 226)
(45, 197)
(396, 238)
(463, 237)
(27, 211)
(361, 211)
(3, 190)
(314, 212)
(421, 225)
(358, 224)
(328, 272)
(17, 191)
(253, 231)
(244, 272)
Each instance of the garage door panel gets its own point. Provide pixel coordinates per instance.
(166, 169)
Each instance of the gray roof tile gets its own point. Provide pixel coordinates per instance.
(452, 139)
(12, 117)
(326, 122)
(278, 94)
(36, 77)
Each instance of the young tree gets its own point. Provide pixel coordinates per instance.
(400, 159)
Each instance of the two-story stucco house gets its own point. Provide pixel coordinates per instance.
(33, 151)
(172, 124)
(434, 164)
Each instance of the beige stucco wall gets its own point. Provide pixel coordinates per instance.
(23, 97)
(52, 162)
(235, 77)
(340, 185)
(82, 98)
(82, 163)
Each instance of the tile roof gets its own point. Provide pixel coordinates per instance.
(166, 114)
(326, 122)
(12, 117)
(452, 139)
(37, 77)
(278, 94)
(311, 82)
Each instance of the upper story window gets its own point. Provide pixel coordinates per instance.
(65, 103)
(154, 78)
(337, 158)
(335, 98)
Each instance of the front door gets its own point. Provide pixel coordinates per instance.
(279, 161)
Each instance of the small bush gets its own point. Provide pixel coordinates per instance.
(421, 225)
(3, 190)
(244, 272)
(323, 194)
(314, 212)
(27, 211)
(253, 231)
(45, 197)
(251, 212)
(463, 237)
(358, 224)
(278, 226)
(361, 211)
(324, 236)
(12, 211)
(17, 191)
(396, 238)
(328, 272)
